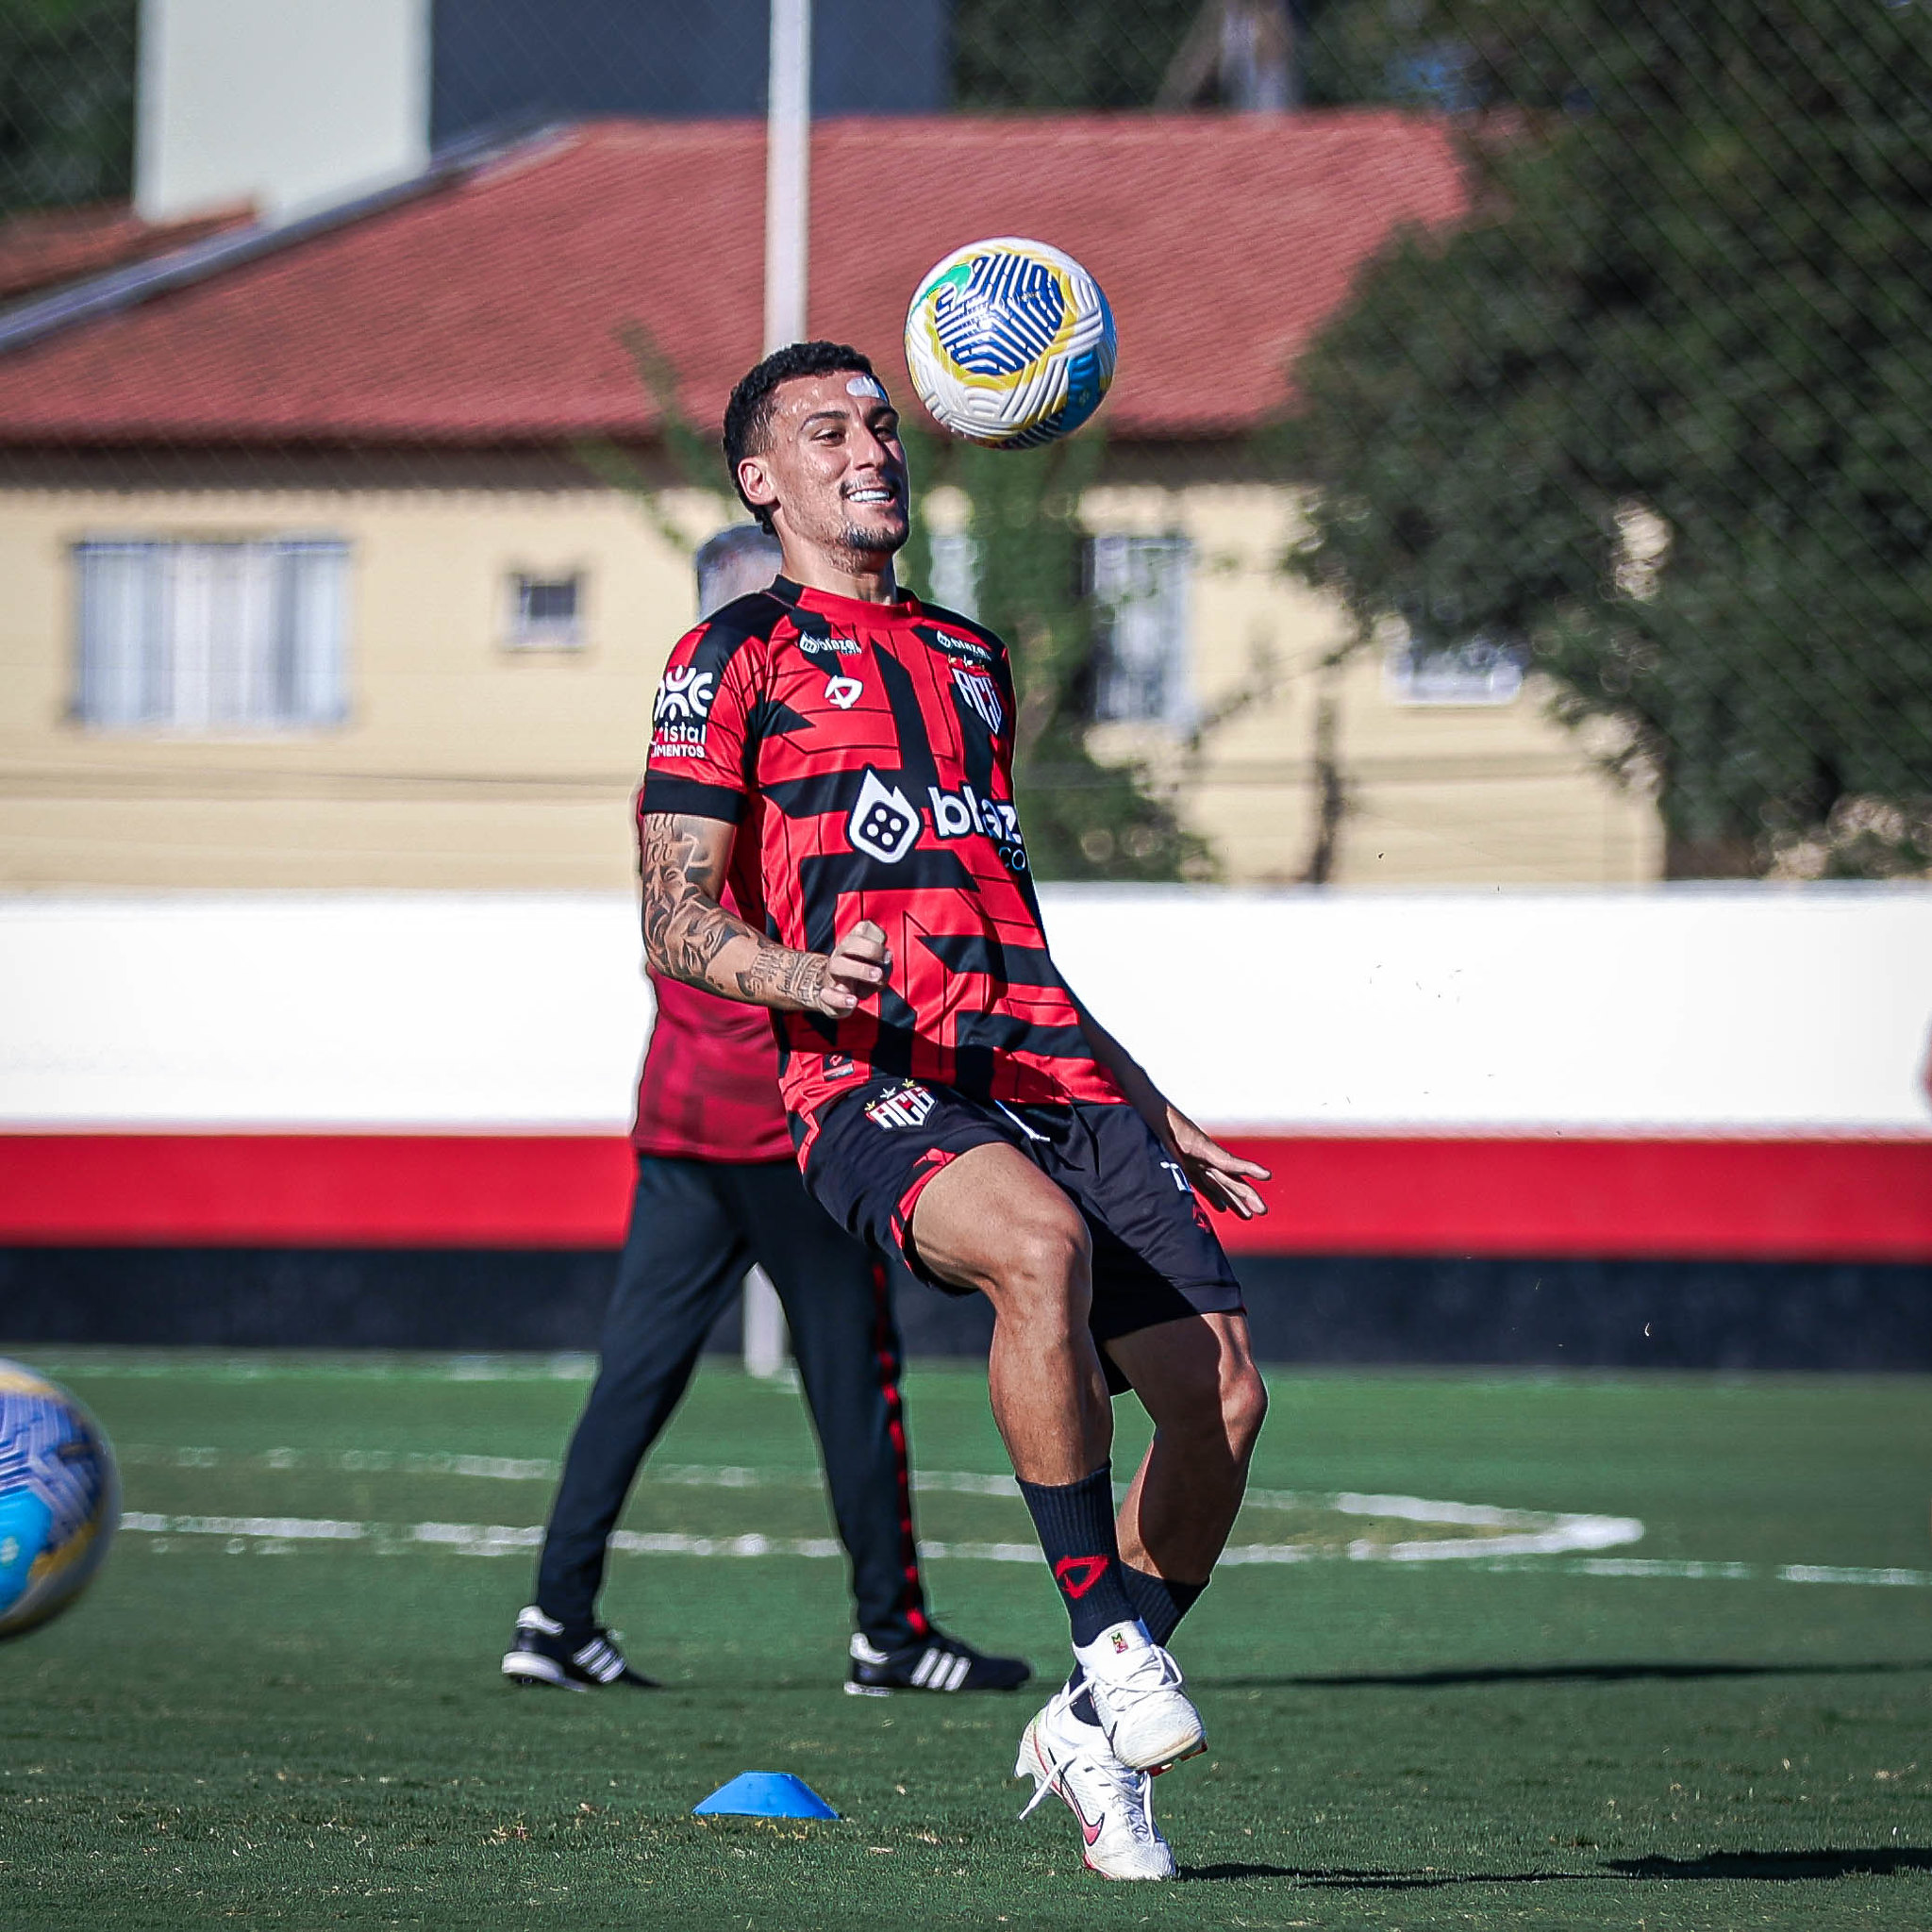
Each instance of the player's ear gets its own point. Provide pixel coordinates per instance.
(755, 479)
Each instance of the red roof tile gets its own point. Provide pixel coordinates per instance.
(45, 247)
(487, 311)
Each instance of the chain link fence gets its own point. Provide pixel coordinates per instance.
(1520, 467)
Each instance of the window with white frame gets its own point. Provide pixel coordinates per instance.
(546, 611)
(1479, 669)
(1140, 585)
(212, 636)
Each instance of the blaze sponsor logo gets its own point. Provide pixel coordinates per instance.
(884, 823)
(955, 646)
(960, 814)
(1076, 1576)
(904, 1106)
(840, 647)
(844, 691)
(982, 694)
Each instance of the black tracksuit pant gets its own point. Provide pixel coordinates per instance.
(695, 1227)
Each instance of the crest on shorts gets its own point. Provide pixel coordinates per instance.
(977, 688)
(904, 1106)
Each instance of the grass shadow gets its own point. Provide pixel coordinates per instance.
(1885, 1861)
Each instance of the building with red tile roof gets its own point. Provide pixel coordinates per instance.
(47, 248)
(486, 309)
(314, 579)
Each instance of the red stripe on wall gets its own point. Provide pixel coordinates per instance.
(1841, 1199)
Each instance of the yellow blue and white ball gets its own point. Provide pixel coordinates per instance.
(1010, 343)
(59, 1498)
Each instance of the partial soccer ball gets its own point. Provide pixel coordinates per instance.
(1010, 343)
(59, 1498)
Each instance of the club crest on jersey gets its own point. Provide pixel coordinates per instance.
(904, 1106)
(884, 823)
(982, 694)
(844, 691)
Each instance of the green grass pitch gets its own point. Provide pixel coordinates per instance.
(240, 1726)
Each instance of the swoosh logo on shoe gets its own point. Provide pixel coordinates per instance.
(1091, 1832)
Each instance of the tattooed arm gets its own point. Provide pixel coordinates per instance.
(690, 935)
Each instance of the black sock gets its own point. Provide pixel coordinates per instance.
(1160, 1604)
(1074, 1522)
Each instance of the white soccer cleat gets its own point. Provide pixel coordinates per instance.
(1135, 1688)
(1111, 1803)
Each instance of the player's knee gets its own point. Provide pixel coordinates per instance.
(1046, 1261)
(1243, 1405)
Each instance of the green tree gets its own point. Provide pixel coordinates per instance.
(67, 73)
(1085, 819)
(1661, 414)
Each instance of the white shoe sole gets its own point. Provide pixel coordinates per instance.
(525, 1667)
(1174, 1749)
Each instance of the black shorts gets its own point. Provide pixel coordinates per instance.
(1154, 1256)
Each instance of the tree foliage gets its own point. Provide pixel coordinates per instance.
(1085, 819)
(67, 74)
(1661, 413)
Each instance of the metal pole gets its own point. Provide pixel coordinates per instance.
(788, 209)
(787, 172)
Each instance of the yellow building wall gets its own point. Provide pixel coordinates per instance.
(461, 763)
(1431, 794)
(465, 764)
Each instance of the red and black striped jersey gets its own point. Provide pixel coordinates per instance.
(864, 751)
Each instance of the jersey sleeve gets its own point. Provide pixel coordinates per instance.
(702, 734)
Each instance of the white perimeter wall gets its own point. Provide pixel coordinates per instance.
(1753, 1010)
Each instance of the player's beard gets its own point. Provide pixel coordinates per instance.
(869, 549)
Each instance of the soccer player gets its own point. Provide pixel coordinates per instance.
(717, 1189)
(836, 758)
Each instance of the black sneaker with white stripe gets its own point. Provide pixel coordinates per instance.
(933, 1662)
(545, 1654)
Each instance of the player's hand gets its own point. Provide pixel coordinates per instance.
(1225, 1180)
(856, 968)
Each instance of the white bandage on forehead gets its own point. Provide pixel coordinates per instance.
(865, 385)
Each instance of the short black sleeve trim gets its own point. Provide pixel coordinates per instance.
(690, 798)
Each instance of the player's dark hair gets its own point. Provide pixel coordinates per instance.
(748, 414)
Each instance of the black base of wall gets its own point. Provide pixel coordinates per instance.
(1310, 1308)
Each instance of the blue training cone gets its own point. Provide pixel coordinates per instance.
(764, 1794)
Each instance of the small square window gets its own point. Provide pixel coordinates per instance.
(545, 613)
(1475, 671)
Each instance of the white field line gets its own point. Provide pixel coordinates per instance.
(1527, 1532)
(279, 1535)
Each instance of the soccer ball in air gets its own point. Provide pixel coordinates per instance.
(59, 1498)
(1010, 343)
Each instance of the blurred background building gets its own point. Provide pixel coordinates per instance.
(1501, 489)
